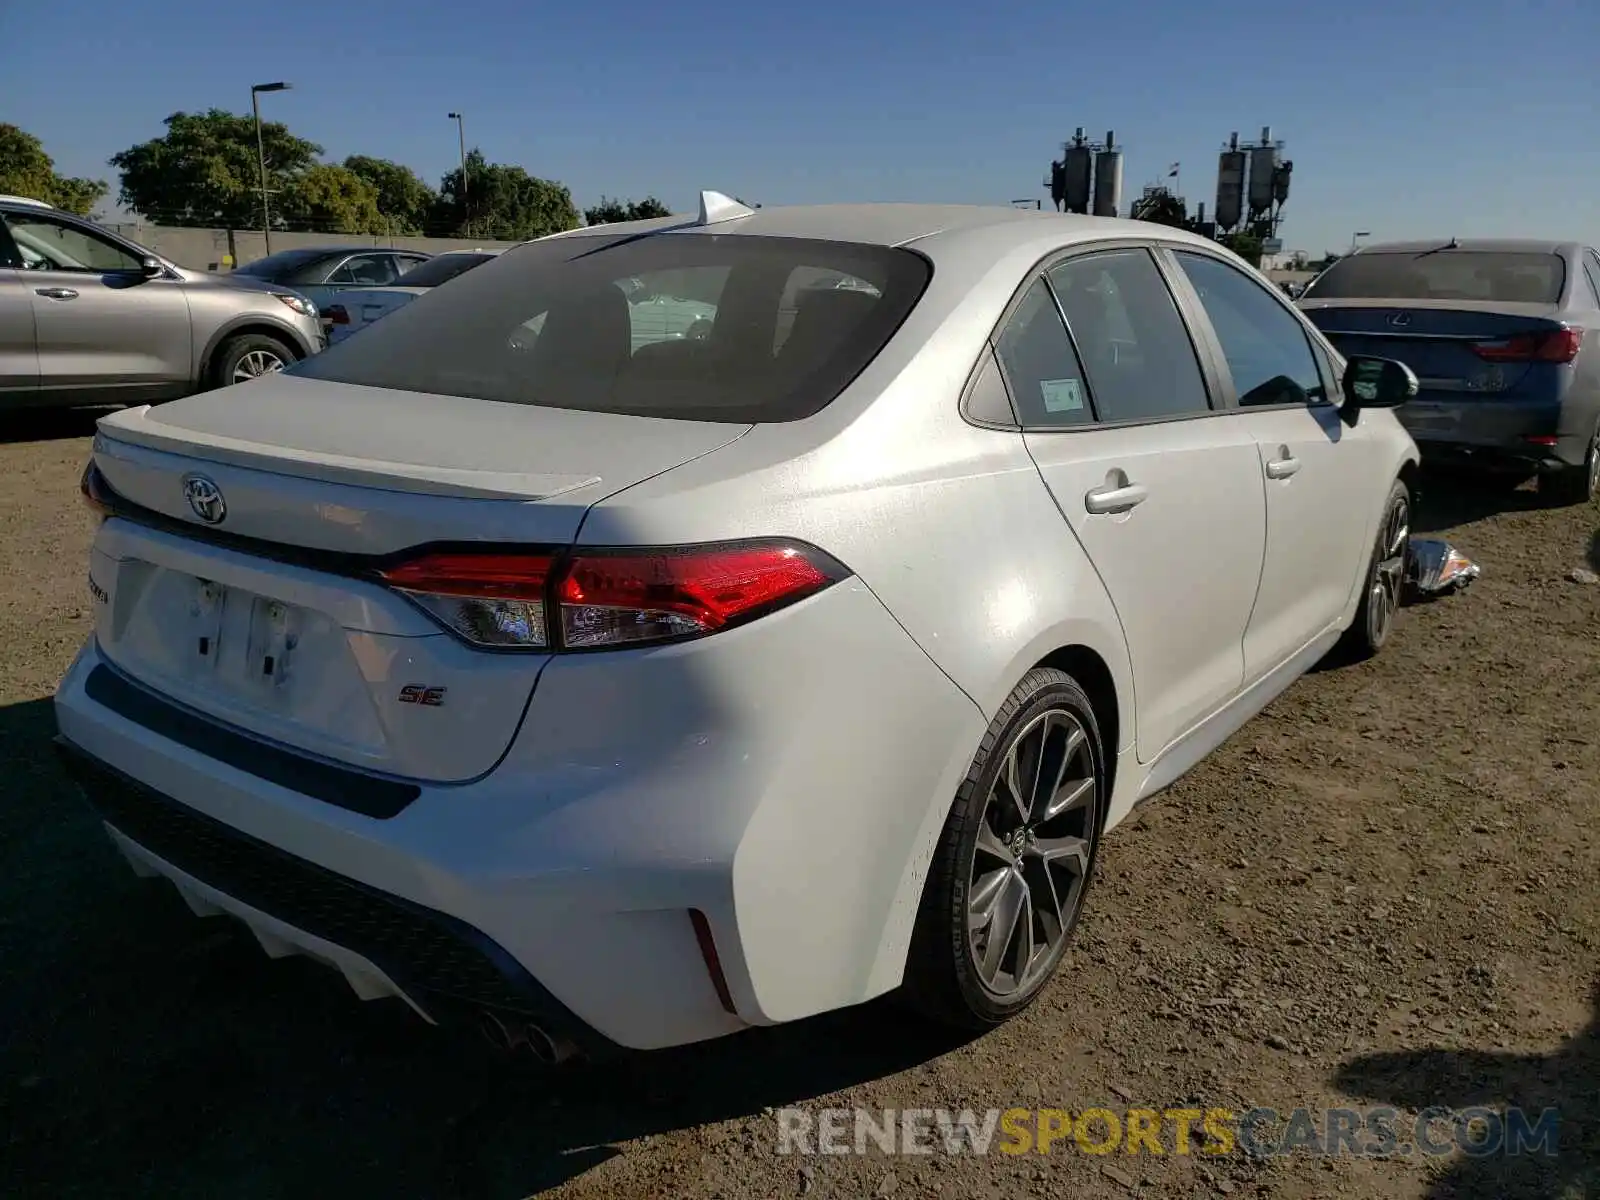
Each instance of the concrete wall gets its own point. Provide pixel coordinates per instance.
(208, 249)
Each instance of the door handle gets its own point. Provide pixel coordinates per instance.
(1282, 468)
(1114, 499)
(57, 293)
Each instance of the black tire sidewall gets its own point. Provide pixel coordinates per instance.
(1361, 630)
(234, 349)
(1040, 691)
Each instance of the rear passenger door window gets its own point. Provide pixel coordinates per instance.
(1138, 358)
(1266, 347)
(1041, 368)
(365, 269)
(1591, 271)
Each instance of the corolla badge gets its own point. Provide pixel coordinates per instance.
(205, 498)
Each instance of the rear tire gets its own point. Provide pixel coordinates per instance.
(1005, 889)
(1384, 580)
(247, 357)
(1575, 485)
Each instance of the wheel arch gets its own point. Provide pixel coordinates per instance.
(1093, 675)
(241, 327)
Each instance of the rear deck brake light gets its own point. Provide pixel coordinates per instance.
(597, 599)
(1557, 346)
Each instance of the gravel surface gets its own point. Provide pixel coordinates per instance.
(1384, 890)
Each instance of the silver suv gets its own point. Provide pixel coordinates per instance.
(87, 317)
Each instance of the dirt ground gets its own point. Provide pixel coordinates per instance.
(1385, 890)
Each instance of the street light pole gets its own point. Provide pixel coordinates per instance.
(461, 134)
(261, 154)
(1357, 236)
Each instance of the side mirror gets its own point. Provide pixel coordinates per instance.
(151, 267)
(1376, 383)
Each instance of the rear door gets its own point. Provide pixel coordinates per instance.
(1163, 494)
(359, 270)
(100, 323)
(1323, 479)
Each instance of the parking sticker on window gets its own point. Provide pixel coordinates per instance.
(1061, 395)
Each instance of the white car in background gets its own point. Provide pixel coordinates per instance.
(354, 309)
(632, 695)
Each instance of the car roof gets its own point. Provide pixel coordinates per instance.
(1482, 245)
(932, 227)
(28, 201)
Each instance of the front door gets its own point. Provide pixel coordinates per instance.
(104, 330)
(1164, 497)
(19, 355)
(1319, 473)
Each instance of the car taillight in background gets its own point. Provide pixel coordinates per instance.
(336, 314)
(95, 492)
(594, 599)
(1557, 346)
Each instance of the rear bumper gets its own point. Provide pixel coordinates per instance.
(1496, 434)
(786, 780)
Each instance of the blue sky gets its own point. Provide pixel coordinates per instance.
(1406, 118)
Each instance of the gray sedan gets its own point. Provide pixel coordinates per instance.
(1498, 334)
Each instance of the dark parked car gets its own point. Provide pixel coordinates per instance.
(320, 271)
(1501, 337)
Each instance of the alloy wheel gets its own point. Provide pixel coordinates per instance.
(1388, 572)
(255, 364)
(1032, 855)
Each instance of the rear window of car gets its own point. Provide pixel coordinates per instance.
(440, 270)
(686, 326)
(285, 262)
(1506, 277)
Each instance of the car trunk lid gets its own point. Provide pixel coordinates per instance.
(254, 598)
(1463, 349)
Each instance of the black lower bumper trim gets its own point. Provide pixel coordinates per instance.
(369, 795)
(424, 951)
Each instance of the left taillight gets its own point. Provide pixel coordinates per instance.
(96, 492)
(599, 599)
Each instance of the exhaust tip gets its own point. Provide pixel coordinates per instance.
(548, 1049)
(497, 1033)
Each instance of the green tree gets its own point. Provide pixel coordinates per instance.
(328, 199)
(26, 170)
(502, 202)
(609, 211)
(403, 198)
(1246, 245)
(204, 170)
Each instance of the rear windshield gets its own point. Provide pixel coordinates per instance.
(285, 262)
(703, 327)
(1511, 278)
(437, 270)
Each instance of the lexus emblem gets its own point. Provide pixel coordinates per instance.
(1400, 319)
(205, 498)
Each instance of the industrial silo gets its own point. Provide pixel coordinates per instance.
(1230, 185)
(1077, 167)
(1263, 170)
(1108, 180)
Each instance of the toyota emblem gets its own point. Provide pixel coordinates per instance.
(205, 498)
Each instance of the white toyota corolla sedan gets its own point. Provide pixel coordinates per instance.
(627, 694)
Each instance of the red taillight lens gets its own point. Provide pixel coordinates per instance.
(606, 598)
(1557, 346)
(615, 599)
(490, 599)
(96, 494)
(336, 314)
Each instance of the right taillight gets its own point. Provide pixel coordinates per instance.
(336, 314)
(595, 599)
(1557, 346)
